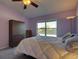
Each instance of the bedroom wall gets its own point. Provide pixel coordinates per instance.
(75, 25)
(63, 24)
(5, 15)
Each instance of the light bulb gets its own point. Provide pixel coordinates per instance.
(26, 2)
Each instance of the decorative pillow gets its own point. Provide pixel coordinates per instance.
(71, 44)
(66, 36)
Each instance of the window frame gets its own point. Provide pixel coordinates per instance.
(37, 28)
(46, 27)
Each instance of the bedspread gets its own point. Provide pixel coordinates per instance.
(40, 49)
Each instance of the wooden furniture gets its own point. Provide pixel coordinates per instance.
(28, 33)
(17, 31)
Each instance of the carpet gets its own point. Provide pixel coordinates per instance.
(9, 54)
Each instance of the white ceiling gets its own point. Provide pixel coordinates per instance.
(45, 7)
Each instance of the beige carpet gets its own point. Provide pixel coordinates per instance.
(9, 54)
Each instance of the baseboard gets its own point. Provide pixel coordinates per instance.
(4, 47)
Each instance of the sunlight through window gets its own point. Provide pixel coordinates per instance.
(47, 29)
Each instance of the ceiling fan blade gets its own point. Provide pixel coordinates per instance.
(16, 0)
(34, 4)
(25, 6)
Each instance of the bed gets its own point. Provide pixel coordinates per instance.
(41, 49)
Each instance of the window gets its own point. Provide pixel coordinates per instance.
(41, 29)
(47, 28)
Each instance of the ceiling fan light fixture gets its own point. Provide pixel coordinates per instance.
(26, 2)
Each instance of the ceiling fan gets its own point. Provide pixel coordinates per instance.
(26, 3)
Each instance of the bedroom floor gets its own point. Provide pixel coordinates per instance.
(9, 54)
